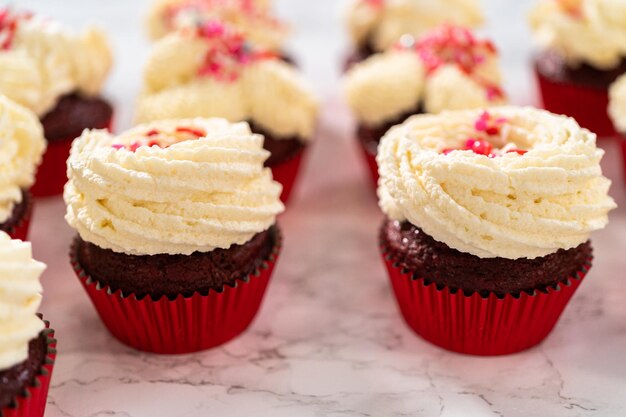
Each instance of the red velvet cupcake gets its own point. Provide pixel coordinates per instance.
(21, 147)
(488, 221)
(27, 346)
(447, 69)
(234, 80)
(582, 53)
(58, 75)
(376, 25)
(177, 234)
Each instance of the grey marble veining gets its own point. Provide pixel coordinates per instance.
(329, 340)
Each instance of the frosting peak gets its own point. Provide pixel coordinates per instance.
(511, 183)
(21, 147)
(381, 23)
(212, 71)
(173, 186)
(20, 297)
(582, 31)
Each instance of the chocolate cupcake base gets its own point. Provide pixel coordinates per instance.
(183, 324)
(581, 93)
(475, 322)
(24, 387)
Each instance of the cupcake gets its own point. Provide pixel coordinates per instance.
(58, 75)
(27, 347)
(376, 25)
(583, 45)
(254, 19)
(212, 71)
(617, 111)
(447, 69)
(486, 235)
(21, 147)
(177, 234)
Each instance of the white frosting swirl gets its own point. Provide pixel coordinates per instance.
(383, 22)
(617, 103)
(20, 297)
(194, 194)
(511, 206)
(269, 92)
(253, 18)
(21, 146)
(46, 61)
(589, 31)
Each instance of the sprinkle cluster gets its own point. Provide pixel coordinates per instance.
(9, 21)
(162, 139)
(375, 4)
(228, 51)
(486, 125)
(454, 45)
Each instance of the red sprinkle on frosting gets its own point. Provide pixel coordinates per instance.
(183, 133)
(228, 51)
(486, 125)
(9, 21)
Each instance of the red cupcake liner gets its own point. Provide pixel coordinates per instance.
(478, 325)
(286, 174)
(372, 165)
(20, 230)
(52, 173)
(32, 402)
(184, 324)
(585, 104)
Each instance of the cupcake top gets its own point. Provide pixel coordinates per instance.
(252, 17)
(40, 60)
(508, 182)
(171, 187)
(20, 297)
(617, 103)
(447, 69)
(21, 146)
(212, 71)
(379, 24)
(582, 31)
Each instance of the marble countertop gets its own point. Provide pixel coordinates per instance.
(329, 340)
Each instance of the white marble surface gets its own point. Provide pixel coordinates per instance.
(329, 340)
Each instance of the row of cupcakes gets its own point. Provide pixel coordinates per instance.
(210, 68)
(177, 235)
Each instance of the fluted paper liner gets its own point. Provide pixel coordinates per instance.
(372, 165)
(32, 402)
(20, 230)
(286, 173)
(52, 172)
(586, 104)
(184, 324)
(474, 324)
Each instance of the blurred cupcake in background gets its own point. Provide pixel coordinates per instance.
(177, 234)
(21, 146)
(447, 69)
(617, 112)
(377, 25)
(27, 346)
(58, 74)
(213, 71)
(253, 18)
(486, 236)
(583, 45)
